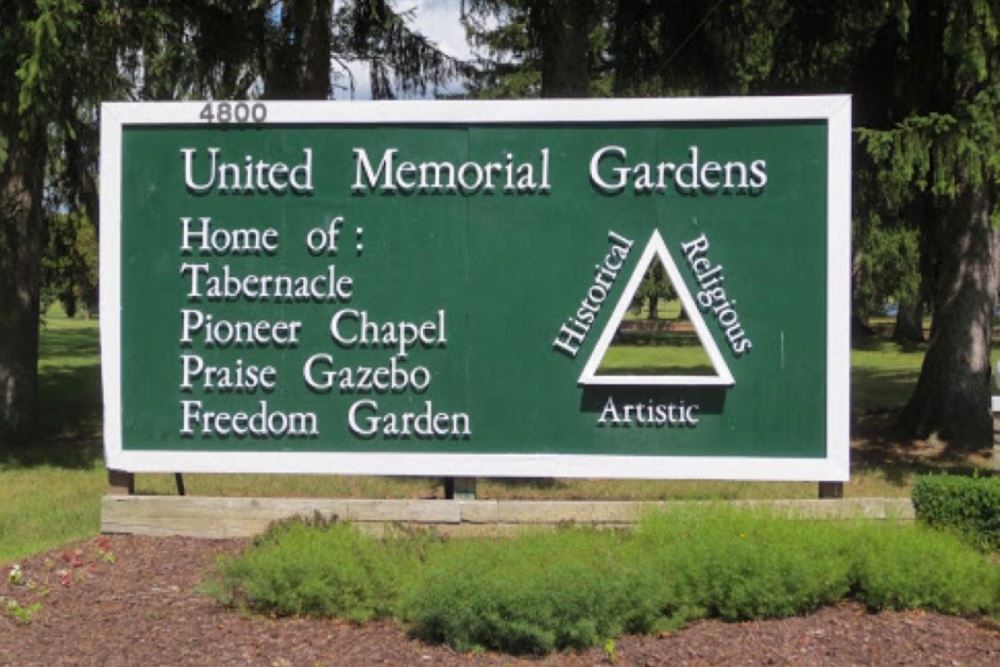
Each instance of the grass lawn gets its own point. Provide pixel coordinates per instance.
(49, 491)
(883, 375)
(50, 488)
(655, 360)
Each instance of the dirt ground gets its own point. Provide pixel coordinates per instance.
(126, 600)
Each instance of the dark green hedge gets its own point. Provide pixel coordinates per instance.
(970, 505)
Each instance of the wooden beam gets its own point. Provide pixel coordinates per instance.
(196, 516)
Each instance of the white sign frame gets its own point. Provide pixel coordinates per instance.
(835, 466)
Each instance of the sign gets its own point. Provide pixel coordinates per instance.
(601, 288)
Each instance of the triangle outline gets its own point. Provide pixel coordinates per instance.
(656, 247)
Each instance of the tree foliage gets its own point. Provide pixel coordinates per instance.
(33, 37)
(655, 286)
(526, 48)
(942, 146)
(399, 58)
(70, 264)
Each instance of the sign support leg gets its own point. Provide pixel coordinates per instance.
(831, 489)
(460, 488)
(121, 483)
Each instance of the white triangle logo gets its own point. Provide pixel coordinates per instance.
(656, 249)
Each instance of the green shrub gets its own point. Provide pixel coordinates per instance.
(970, 505)
(333, 570)
(911, 566)
(532, 594)
(739, 564)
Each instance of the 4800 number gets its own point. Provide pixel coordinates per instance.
(239, 112)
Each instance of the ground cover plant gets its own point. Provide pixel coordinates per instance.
(320, 568)
(575, 588)
(531, 594)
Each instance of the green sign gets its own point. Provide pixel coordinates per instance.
(613, 288)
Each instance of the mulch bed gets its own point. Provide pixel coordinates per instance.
(126, 600)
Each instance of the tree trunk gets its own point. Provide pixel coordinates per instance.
(952, 396)
(315, 44)
(909, 328)
(564, 31)
(300, 66)
(654, 307)
(20, 277)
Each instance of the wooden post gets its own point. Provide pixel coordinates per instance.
(179, 480)
(121, 483)
(460, 488)
(831, 489)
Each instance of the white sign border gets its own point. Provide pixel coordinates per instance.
(835, 466)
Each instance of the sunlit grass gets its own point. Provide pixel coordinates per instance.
(50, 487)
(655, 359)
(44, 506)
(883, 376)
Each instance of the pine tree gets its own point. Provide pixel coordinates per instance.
(946, 144)
(31, 38)
(538, 48)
